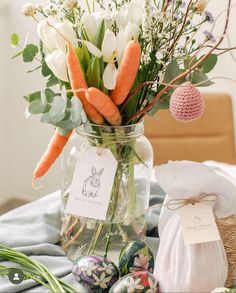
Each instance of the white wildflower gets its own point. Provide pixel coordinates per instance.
(29, 9)
(147, 21)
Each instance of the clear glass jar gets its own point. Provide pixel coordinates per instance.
(126, 216)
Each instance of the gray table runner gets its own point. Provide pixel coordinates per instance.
(34, 229)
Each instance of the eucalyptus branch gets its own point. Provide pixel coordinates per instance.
(184, 74)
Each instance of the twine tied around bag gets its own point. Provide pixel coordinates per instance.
(175, 204)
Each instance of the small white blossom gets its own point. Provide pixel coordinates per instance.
(29, 9)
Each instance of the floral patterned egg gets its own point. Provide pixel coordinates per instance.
(95, 273)
(136, 256)
(138, 282)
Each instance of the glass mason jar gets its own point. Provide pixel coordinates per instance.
(126, 215)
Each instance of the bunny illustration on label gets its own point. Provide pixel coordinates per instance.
(92, 183)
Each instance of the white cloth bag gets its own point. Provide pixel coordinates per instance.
(196, 267)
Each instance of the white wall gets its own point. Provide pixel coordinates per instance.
(23, 141)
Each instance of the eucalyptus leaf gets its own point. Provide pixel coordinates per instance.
(44, 98)
(30, 52)
(210, 63)
(58, 109)
(199, 77)
(36, 107)
(46, 71)
(52, 81)
(34, 96)
(15, 39)
(76, 110)
(47, 118)
(172, 70)
(49, 95)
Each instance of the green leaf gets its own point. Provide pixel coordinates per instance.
(172, 70)
(84, 56)
(46, 71)
(34, 96)
(100, 35)
(30, 52)
(210, 63)
(53, 80)
(198, 77)
(49, 95)
(15, 39)
(93, 73)
(36, 107)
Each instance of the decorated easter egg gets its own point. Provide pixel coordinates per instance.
(186, 103)
(136, 282)
(96, 273)
(135, 256)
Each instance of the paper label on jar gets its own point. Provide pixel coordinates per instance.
(198, 224)
(92, 184)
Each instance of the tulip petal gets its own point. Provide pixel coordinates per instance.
(45, 34)
(109, 45)
(110, 76)
(56, 61)
(131, 32)
(90, 25)
(93, 49)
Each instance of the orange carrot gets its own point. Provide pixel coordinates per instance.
(52, 152)
(127, 72)
(104, 105)
(78, 82)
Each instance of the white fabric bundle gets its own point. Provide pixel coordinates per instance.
(197, 267)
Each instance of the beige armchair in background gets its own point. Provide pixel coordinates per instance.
(209, 138)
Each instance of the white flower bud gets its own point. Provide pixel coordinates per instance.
(29, 9)
(56, 61)
(201, 6)
(70, 3)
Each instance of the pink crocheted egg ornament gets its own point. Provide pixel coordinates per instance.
(186, 103)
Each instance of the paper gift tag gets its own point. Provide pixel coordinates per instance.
(92, 184)
(198, 224)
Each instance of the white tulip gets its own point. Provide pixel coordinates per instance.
(46, 35)
(92, 21)
(130, 12)
(109, 54)
(56, 61)
(68, 32)
(52, 39)
(131, 32)
(112, 51)
(220, 290)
